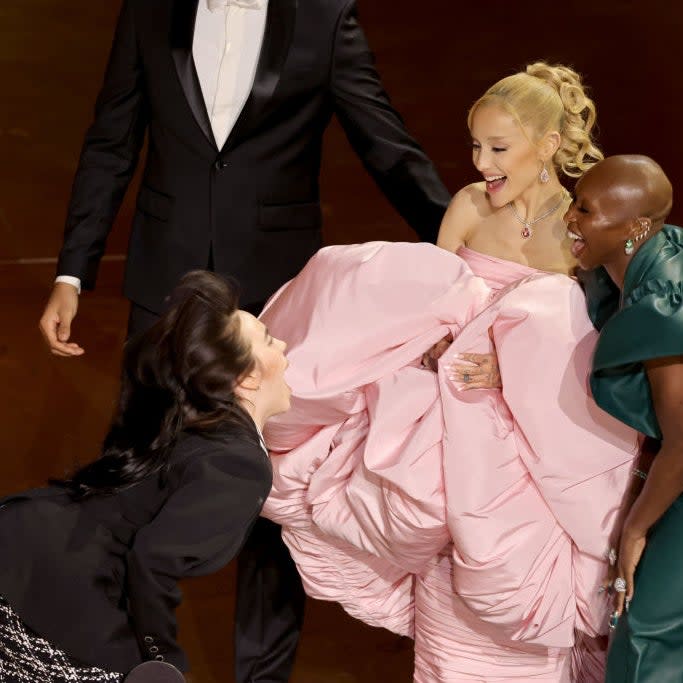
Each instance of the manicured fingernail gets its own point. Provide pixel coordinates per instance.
(614, 619)
(627, 603)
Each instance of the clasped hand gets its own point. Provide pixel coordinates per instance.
(471, 370)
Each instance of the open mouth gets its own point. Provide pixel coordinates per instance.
(578, 243)
(494, 183)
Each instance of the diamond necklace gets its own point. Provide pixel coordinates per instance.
(527, 232)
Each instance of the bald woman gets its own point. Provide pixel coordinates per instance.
(633, 283)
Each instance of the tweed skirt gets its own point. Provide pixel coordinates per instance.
(25, 657)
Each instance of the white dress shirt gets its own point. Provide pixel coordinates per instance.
(226, 48)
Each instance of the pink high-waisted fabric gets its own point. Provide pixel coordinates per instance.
(475, 521)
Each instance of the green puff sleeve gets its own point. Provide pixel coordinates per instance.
(648, 326)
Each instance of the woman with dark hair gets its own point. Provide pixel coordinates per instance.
(90, 564)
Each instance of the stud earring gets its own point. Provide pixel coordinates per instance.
(544, 176)
(628, 247)
(644, 233)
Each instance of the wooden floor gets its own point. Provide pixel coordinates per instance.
(436, 58)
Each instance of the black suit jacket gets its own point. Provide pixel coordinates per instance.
(98, 578)
(254, 204)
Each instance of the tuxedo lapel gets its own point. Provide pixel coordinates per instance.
(182, 34)
(276, 41)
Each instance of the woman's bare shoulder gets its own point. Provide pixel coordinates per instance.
(467, 209)
(473, 197)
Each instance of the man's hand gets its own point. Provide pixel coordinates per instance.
(55, 324)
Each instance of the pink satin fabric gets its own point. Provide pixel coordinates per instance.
(475, 521)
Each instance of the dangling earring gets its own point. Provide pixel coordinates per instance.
(628, 247)
(544, 176)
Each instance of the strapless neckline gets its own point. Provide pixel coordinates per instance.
(473, 253)
(498, 272)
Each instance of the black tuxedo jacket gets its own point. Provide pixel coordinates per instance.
(98, 578)
(252, 206)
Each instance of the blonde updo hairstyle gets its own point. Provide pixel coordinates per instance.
(550, 98)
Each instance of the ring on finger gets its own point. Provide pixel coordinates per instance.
(620, 585)
(466, 377)
(612, 557)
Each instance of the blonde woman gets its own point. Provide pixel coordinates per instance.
(476, 522)
(529, 131)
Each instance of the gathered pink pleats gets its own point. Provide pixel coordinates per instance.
(475, 521)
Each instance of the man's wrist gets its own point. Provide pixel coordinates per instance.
(70, 280)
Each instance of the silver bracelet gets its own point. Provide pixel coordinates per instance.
(639, 473)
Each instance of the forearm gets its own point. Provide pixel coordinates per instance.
(636, 483)
(377, 133)
(648, 451)
(663, 485)
(152, 600)
(665, 479)
(415, 190)
(109, 155)
(99, 186)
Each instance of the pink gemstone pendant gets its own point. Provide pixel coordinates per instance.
(526, 233)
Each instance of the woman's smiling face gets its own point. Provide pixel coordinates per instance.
(597, 221)
(504, 154)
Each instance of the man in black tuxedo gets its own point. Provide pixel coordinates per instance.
(234, 96)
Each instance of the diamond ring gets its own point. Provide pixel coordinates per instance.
(619, 585)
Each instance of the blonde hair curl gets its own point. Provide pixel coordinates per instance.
(547, 98)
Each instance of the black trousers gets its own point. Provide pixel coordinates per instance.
(269, 610)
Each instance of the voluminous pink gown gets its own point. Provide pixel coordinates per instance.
(476, 522)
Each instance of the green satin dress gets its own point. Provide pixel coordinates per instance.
(645, 323)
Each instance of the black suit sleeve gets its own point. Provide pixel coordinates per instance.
(108, 158)
(199, 530)
(377, 133)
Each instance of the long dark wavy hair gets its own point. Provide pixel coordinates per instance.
(180, 375)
